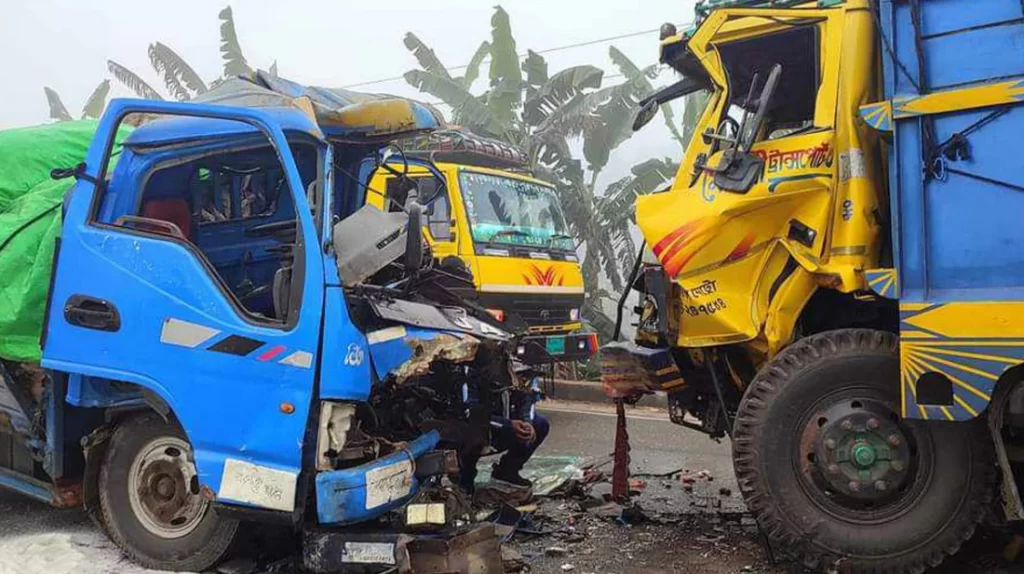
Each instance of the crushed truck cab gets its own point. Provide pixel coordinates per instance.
(230, 342)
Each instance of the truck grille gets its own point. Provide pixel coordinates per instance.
(535, 310)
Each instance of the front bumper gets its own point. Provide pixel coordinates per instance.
(476, 549)
(628, 370)
(545, 349)
(367, 491)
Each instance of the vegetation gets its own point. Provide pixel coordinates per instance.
(544, 113)
(180, 79)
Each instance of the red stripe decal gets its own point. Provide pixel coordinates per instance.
(671, 237)
(271, 353)
(742, 248)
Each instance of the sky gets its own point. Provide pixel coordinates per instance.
(65, 44)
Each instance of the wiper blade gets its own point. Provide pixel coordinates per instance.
(506, 233)
(557, 236)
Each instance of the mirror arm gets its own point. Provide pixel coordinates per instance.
(684, 87)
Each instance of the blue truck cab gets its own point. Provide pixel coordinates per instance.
(230, 339)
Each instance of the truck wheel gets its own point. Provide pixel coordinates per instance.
(836, 478)
(150, 501)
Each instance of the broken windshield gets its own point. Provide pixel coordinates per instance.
(512, 211)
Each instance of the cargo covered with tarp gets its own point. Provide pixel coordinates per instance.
(341, 113)
(30, 220)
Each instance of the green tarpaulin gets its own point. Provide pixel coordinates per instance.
(30, 210)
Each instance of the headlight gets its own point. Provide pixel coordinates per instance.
(574, 314)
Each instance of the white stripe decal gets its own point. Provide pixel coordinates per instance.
(300, 359)
(384, 335)
(185, 334)
(555, 289)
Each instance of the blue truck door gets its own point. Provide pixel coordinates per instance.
(131, 305)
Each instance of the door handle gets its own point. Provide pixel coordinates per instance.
(92, 313)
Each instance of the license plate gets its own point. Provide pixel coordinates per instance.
(556, 345)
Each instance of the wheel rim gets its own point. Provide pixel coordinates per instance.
(163, 489)
(858, 461)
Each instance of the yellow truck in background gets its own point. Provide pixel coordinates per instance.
(506, 226)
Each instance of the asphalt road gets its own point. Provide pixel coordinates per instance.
(36, 539)
(657, 445)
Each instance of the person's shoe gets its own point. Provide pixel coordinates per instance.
(510, 478)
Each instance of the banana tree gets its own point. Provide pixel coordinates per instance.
(180, 79)
(542, 113)
(92, 109)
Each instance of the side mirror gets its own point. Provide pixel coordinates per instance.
(749, 129)
(413, 235)
(647, 111)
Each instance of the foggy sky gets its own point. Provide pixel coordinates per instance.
(65, 44)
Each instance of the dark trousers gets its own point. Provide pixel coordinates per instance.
(504, 440)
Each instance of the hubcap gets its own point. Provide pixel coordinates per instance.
(859, 457)
(163, 489)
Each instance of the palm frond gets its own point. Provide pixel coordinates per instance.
(559, 90)
(230, 50)
(467, 110)
(57, 109)
(132, 81)
(97, 101)
(536, 68)
(181, 80)
(505, 75)
(426, 57)
(473, 69)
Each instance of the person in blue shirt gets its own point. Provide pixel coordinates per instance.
(518, 436)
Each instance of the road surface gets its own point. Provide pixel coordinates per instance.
(36, 539)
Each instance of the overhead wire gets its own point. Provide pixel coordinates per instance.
(521, 56)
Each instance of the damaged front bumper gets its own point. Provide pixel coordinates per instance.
(367, 491)
(628, 370)
(476, 550)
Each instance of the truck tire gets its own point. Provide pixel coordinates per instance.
(150, 502)
(837, 479)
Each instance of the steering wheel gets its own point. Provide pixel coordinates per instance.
(271, 229)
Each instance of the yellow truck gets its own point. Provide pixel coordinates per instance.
(506, 226)
(838, 270)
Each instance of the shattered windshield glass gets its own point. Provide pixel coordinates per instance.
(512, 211)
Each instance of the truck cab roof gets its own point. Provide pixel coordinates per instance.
(174, 130)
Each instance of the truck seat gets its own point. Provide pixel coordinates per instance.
(171, 210)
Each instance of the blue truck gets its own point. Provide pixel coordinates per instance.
(230, 336)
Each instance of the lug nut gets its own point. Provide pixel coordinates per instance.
(847, 425)
(854, 485)
(897, 465)
(833, 469)
(894, 440)
(872, 424)
(830, 443)
(880, 485)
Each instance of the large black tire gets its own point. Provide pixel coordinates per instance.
(940, 498)
(206, 540)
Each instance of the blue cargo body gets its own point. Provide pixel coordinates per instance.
(956, 221)
(953, 87)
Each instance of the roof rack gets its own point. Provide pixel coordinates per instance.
(463, 147)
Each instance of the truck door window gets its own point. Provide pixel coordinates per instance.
(439, 218)
(230, 201)
(438, 212)
(797, 49)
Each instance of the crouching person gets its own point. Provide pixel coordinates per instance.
(516, 437)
